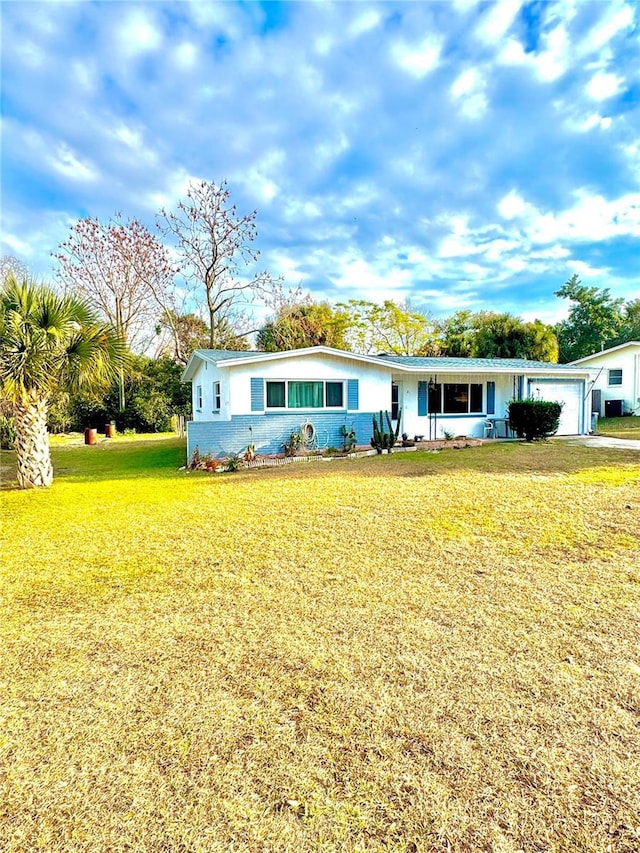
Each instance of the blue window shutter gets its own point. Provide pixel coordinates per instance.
(257, 394)
(520, 387)
(422, 398)
(353, 403)
(491, 398)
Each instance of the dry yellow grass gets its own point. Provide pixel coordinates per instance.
(416, 653)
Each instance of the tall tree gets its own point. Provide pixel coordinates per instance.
(48, 342)
(489, 334)
(505, 336)
(123, 273)
(181, 334)
(458, 331)
(302, 324)
(215, 244)
(594, 321)
(391, 328)
(630, 330)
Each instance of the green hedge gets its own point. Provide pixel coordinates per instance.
(534, 419)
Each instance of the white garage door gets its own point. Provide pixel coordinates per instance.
(569, 393)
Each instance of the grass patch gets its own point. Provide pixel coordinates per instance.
(402, 653)
(620, 427)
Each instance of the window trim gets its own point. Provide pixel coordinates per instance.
(618, 372)
(199, 401)
(323, 408)
(440, 386)
(217, 396)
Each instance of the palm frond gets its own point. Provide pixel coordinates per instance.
(51, 340)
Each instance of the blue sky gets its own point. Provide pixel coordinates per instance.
(461, 155)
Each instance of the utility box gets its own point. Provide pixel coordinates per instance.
(613, 408)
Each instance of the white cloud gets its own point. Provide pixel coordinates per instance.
(177, 182)
(67, 163)
(369, 20)
(617, 17)
(418, 60)
(591, 121)
(604, 85)
(553, 61)
(585, 270)
(138, 34)
(591, 219)
(549, 62)
(185, 56)
(513, 53)
(497, 20)
(469, 91)
(512, 206)
(12, 244)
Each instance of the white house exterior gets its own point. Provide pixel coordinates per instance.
(615, 374)
(242, 398)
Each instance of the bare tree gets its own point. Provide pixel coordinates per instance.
(216, 248)
(9, 264)
(123, 272)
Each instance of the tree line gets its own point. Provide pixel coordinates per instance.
(156, 297)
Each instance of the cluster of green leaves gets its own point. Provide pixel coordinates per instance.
(596, 320)
(153, 392)
(487, 334)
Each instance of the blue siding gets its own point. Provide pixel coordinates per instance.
(353, 401)
(491, 398)
(268, 432)
(422, 398)
(257, 394)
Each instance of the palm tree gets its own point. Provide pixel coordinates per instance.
(48, 341)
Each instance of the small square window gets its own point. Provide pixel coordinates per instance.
(615, 376)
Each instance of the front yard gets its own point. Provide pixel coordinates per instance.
(406, 653)
(620, 427)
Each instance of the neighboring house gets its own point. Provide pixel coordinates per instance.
(615, 374)
(261, 398)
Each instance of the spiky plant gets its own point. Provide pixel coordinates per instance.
(48, 341)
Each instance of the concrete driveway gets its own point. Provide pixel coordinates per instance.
(605, 441)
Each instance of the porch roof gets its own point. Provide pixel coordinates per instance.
(444, 364)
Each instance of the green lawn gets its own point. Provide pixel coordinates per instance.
(620, 427)
(416, 653)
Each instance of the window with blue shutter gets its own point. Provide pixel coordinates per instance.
(353, 403)
(491, 398)
(257, 394)
(422, 398)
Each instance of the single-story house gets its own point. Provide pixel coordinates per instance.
(260, 398)
(615, 374)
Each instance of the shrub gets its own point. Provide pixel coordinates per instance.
(293, 443)
(233, 462)
(534, 419)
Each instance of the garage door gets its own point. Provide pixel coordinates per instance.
(569, 393)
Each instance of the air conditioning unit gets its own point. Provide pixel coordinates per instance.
(613, 408)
